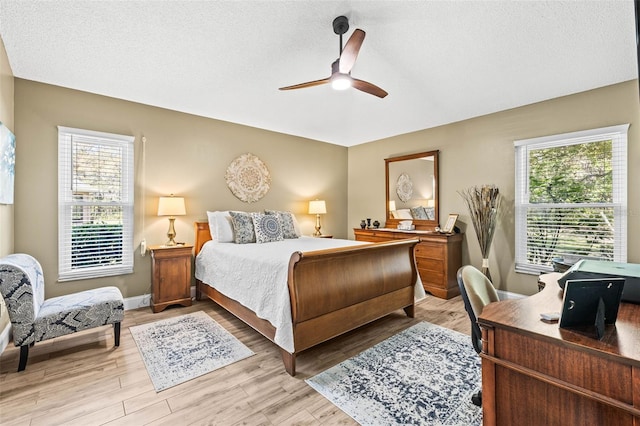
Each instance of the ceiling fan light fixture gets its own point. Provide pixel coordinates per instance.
(340, 77)
(340, 81)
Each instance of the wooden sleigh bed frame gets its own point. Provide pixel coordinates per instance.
(332, 291)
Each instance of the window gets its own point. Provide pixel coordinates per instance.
(95, 204)
(571, 198)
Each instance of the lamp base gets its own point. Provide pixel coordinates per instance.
(317, 233)
(171, 233)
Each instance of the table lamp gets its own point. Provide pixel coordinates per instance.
(171, 206)
(317, 207)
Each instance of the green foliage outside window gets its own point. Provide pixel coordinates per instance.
(560, 179)
(96, 245)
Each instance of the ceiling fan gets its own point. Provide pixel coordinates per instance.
(341, 69)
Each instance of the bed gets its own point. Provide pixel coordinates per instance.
(330, 290)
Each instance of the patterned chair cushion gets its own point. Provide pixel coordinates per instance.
(79, 311)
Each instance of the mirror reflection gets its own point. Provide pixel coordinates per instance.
(412, 191)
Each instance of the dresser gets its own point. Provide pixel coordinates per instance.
(438, 256)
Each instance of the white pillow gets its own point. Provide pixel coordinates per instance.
(403, 214)
(220, 226)
(296, 225)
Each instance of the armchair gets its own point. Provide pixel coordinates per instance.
(35, 319)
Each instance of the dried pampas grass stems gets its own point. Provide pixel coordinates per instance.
(483, 203)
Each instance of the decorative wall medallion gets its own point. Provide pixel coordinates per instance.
(404, 187)
(248, 178)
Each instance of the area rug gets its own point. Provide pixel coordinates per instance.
(424, 375)
(179, 349)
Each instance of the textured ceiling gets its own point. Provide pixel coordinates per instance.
(440, 61)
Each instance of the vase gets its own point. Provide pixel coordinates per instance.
(363, 224)
(376, 224)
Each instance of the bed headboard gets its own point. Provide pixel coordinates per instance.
(202, 234)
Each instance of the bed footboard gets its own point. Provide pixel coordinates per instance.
(338, 290)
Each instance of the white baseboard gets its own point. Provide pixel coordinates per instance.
(5, 337)
(144, 301)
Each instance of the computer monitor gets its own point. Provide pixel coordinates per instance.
(590, 304)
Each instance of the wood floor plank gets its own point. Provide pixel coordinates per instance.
(300, 418)
(254, 419)
(100, 417)
(82, 379)
(148, 414)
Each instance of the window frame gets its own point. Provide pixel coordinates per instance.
(618, 135)
(66, 203)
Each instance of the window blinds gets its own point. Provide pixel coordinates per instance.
(95, 204)
(571, 197)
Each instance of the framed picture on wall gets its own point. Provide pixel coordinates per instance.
(451, 222)
(7, 164)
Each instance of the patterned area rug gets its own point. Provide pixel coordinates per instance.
(179, 349)
(424, 375)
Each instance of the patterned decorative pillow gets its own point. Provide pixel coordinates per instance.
(243, 227)
(418, 212)
(267, 227)
(287, 223)
(431, 213)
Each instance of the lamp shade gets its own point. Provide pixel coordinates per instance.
(317, 207)
(392, 206)
(171, 206)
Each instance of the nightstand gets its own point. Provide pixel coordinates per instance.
(323, 236)
(170, 276)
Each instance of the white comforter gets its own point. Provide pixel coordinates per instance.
(261, 283)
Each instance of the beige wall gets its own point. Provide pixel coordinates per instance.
(480, 151)
(6, 117)
(185, 154)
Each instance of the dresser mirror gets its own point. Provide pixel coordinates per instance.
(412, 191)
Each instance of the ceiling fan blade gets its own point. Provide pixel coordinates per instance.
(350, 51)
(367, 87)
(307, 84)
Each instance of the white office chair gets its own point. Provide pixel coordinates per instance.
(477, 292)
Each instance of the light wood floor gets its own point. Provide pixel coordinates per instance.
(82, 380)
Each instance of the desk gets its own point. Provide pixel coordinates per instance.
(535, 373)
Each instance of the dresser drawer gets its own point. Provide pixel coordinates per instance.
(432, 265)
(430, 251)
(432, 278)
(378, 236)
(373, 238)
